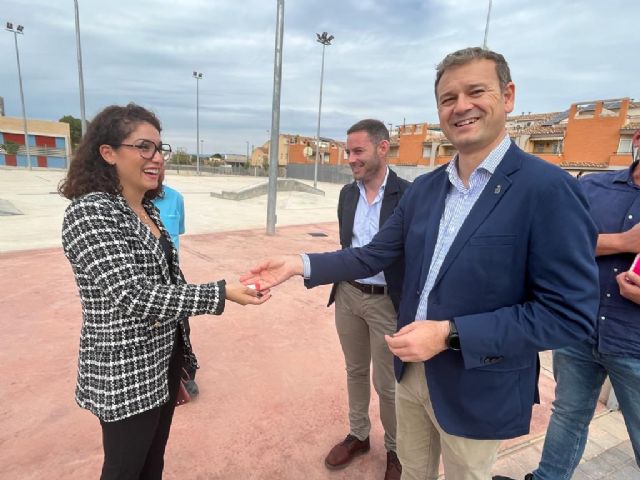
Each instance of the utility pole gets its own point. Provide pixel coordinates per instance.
(486, 28)
(275, 122)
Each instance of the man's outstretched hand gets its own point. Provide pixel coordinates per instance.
(273, 271)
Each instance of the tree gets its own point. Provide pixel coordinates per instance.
(11, 148)
(181, 157)
(75, 126)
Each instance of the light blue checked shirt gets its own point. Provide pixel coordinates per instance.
(459, 202)
(366, 224)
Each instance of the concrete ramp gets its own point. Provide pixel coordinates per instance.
(7, 208)
(284, 185)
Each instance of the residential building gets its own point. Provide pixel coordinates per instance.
(589, 135)
(298, 149)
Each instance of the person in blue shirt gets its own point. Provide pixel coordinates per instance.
(170, 203)
(614, 349)
(171, 206)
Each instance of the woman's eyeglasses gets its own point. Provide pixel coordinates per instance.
(147, 149)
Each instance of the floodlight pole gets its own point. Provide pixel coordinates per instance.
(83, 118)
(325, 40)
(486, 28)
(275, 122)
(19, 30)
(198, 76)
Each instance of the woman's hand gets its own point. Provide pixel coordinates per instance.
(244, 295)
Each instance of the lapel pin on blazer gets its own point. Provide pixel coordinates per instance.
(497, 190)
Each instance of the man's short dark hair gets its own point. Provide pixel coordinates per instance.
(468, 55)
(374, 128)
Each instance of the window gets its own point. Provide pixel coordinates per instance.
(557, 147)
(426, 151)
(625, 145)
(538, 147)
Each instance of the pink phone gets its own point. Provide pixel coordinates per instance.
(635, 266)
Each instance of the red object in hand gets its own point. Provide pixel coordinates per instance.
(256, 286)
(635, 266)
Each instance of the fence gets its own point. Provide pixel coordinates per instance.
(340, 174)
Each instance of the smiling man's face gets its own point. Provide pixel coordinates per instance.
(366, 159)
(472, 108)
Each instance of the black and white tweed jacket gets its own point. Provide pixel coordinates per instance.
(130, 308)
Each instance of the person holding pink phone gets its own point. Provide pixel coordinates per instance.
(614, 198)
(629, 283)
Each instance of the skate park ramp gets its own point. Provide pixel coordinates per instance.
(7, 208)
(259, 189)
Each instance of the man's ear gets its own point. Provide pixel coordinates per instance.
(383, 147)
(509, 94)
(106, 152)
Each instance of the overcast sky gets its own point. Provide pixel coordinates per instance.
(381, 63)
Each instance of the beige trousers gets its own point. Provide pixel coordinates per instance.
(362, 320)
(421, 440)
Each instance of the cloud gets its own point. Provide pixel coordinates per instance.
(381, 63)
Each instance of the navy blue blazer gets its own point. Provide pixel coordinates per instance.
(519, 278)
(347, 204)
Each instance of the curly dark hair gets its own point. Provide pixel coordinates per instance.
(88, 171)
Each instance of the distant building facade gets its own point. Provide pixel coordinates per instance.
(593, 135)
(298, 149)
(49, 143)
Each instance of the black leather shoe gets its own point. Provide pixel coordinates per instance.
(394, 469)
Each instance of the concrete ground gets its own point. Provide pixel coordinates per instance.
(273, 393)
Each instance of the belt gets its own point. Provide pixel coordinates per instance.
(369, 289)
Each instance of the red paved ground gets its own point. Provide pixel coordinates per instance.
(273, 393)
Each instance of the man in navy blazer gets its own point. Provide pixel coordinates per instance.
(499, 265)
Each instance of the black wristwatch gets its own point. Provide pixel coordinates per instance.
(453, 339)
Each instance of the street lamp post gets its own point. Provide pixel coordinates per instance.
(83, 118)
(275, 121)
(198, 76)
(486, 27)
(325, 40)
(20, 30)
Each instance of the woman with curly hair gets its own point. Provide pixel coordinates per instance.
(134, 298)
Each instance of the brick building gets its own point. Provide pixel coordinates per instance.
(298, 149)
(589, 135)
(594, 135)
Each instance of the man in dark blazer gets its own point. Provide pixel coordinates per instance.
(499, 265)
(366, 308)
